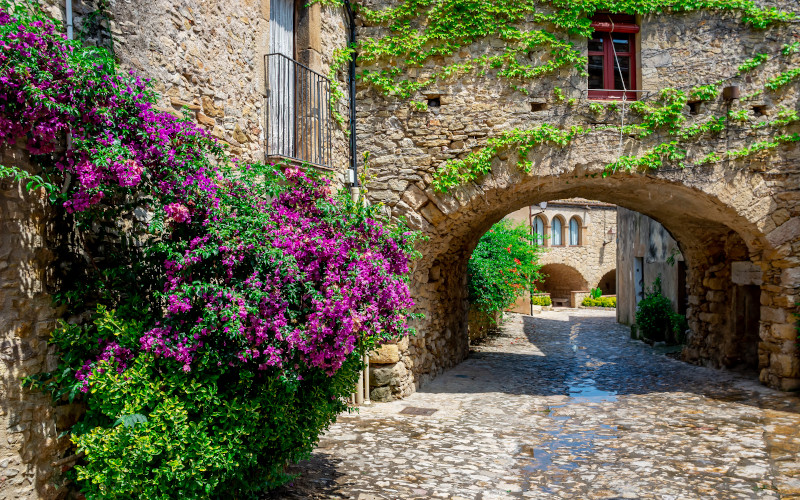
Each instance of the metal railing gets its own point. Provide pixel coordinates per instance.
(298, 116)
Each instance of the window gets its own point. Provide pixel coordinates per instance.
(556, 232)
(612, 57)
(538, 230)
(574, 232)
(299, 127)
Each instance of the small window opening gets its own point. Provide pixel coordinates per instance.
(694, 107)
(760, 110)
(538, 106)
(434, 102)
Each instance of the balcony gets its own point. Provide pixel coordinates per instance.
(299, 122)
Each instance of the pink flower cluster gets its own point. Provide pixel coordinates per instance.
(110, 351)
(295, 285)
(120, 139)
(290, 284)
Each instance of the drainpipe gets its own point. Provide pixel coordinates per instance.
(352, 80)
(68, 10)
(362, 389)
(68, 14)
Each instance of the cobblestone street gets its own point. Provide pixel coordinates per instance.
(565, 405)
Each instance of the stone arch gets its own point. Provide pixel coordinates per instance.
(608, 283)
(559, 281)
(719, 214)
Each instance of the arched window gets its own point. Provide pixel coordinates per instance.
(538, 230)
(574, 232)
(556, 231)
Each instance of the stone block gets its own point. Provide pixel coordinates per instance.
(385, 354)
(381, 375)
(785, 365)
(773, 315)
(402, 345)
(716, 296)
(786, 232)
(790, 384)
(710, 318)
(791, 277)
(203, 119)
(381, 394)
(415, 197)
(714, 283)
(746, 273)
(784, 332)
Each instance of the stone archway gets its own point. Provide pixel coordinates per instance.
(720, 215)
(608, 283)
(560, 281)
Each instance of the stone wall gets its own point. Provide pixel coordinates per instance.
(28, 422)
(640, 237)
(753, 201)
(208, 56)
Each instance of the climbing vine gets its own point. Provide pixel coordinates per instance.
(398, 64)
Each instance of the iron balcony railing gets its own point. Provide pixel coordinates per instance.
(300, 125)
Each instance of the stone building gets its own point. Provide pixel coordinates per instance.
(737, 208)
(736, 220)
(581, 245)
(210, 59)
(646, 251)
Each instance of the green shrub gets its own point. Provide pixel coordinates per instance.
(679, 327)
(600, 302)
(502, 268)
(199, 433)
(596, 293)
(541, 300)
(654, 314)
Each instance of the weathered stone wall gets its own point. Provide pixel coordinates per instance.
(209, 57)
(28, 430)
(642, 237)
(755, 199)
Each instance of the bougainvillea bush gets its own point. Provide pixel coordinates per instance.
(217, 313)
(503, 267)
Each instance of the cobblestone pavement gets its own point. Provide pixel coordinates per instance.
(565, 405)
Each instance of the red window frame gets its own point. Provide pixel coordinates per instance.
(605, 25)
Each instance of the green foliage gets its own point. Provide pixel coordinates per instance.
(341, 56)
(151, 432)
(596, 108)
(753, 63)
(595, 293)
(679, 327)
(541, 300)
(790, 48)
(419, 106)
(502, 268)
(476, 164)
(655, 319)
(783, 79)
(599, 302)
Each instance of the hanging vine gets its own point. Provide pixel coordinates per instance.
(398, 64)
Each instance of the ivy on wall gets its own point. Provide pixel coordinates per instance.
(441, 31)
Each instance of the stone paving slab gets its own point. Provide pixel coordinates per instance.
(565, 405)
